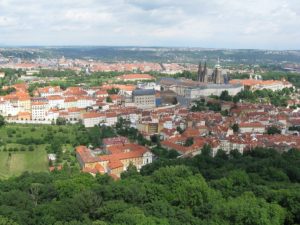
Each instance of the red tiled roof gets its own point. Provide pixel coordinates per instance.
(135, 77)
(85, 154)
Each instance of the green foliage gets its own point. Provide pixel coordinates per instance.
(130, 172)
(235, 127)
(259, 187)
(201, 105)
(248, 210)
(56, 73)
(61, 121)
(113, 91)
(189, 142)
(225, 96)
(2, 121)
(164, 153)
(97, 133)
(294, 78)
(123, 129)
(7, 91)
(214, 106)
(108, 99)
(277, 98)
(273, 130)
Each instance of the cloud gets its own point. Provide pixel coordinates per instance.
(264, 24)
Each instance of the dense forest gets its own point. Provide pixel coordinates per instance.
(259, 187)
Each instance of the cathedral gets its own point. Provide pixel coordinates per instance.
(215, 76)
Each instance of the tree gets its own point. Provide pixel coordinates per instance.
(6, 221)
(214, 106)
(155, 138)
(206, 150)
(235, 127)
(61, 121)
(189, 142)
(273, 130)
(113, 91)
(108, 99)
(225, 96)
(179, 129)
(130, 172)
(2, 121)
(248, 210)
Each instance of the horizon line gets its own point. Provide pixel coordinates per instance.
(139, 46)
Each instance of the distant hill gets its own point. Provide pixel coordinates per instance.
(155, 54)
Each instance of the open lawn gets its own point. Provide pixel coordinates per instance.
(19, 162)
(12, 133)
(29, 144)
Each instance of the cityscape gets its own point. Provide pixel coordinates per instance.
(119, 128)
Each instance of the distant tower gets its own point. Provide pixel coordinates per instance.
(218, 74)
(205, 76)
(200, 73)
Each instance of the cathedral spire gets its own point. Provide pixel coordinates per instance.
(205, 79)
(200, 72)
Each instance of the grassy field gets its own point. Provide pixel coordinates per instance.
(19, 140)
(19, 162)
(12, 132)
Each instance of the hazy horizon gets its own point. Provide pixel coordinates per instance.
(140, 46)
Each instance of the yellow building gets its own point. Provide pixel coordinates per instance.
(117, 161)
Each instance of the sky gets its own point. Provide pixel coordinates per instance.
(246, 24)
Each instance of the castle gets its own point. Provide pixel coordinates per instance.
(215, 75)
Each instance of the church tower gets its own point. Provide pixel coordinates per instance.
(199, 79)
(202, 73)
(218, 74)
(205, 75)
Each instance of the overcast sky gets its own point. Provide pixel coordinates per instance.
(266, 24)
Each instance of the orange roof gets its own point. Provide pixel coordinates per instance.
(125, 151)
(85, 154)
(24, 114)
(119, 86)
(49, 89)
(70, 99)
(92, 115)
(75, 91)
(38, 103)
(55, 97)
(191, 132)
(99, 168)
(115, 164)
(101, 92)
(111, 114)
(135, 77)
(254, 124)
(251, 82)
(115, 97)
(74, 109)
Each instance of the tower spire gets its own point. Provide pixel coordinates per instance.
(200, 72)
(205, 73)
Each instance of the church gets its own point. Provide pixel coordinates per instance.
(215, 76)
